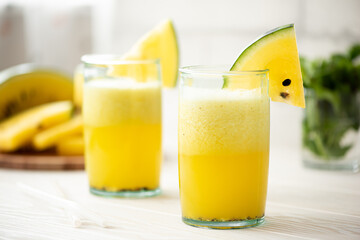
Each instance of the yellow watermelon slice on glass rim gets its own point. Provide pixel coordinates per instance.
(277, 51)
(159, 43)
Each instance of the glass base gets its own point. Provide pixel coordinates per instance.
(346, 164)
(331, 166)
(224, 224)
(126, 194)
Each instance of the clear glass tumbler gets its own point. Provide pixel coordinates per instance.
(122, 126)
(331, 131)
(223, 146)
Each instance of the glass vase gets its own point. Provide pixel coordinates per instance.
(330, 131)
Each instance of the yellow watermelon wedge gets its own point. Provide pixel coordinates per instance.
(160, 43)
(277, 51)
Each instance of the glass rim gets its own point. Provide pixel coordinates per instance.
(212, 70)
(113, 59)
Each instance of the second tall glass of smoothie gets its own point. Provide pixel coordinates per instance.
(223, 146)
(122, 126)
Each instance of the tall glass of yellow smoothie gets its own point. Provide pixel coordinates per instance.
(122, 126)
(223, 146)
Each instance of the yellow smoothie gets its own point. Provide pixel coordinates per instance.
(122, 129)
(223, 154)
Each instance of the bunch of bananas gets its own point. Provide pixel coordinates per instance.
(37, 111)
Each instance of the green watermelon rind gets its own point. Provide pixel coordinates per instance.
(177, 53)
(26, 68)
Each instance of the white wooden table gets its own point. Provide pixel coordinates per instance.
(302, 204)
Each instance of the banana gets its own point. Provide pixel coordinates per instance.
(48, 138)
(18, 130)
(28, 85)
(73, 145)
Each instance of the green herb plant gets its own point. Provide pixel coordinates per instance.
(332, 95)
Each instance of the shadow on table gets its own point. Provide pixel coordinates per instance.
(168, 195)
(313, 225)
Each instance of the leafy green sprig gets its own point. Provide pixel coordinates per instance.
(332, 102)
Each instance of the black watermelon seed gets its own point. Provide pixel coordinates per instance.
(286, 82)
(284, 94)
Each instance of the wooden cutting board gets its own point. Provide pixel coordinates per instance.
(41, 161)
